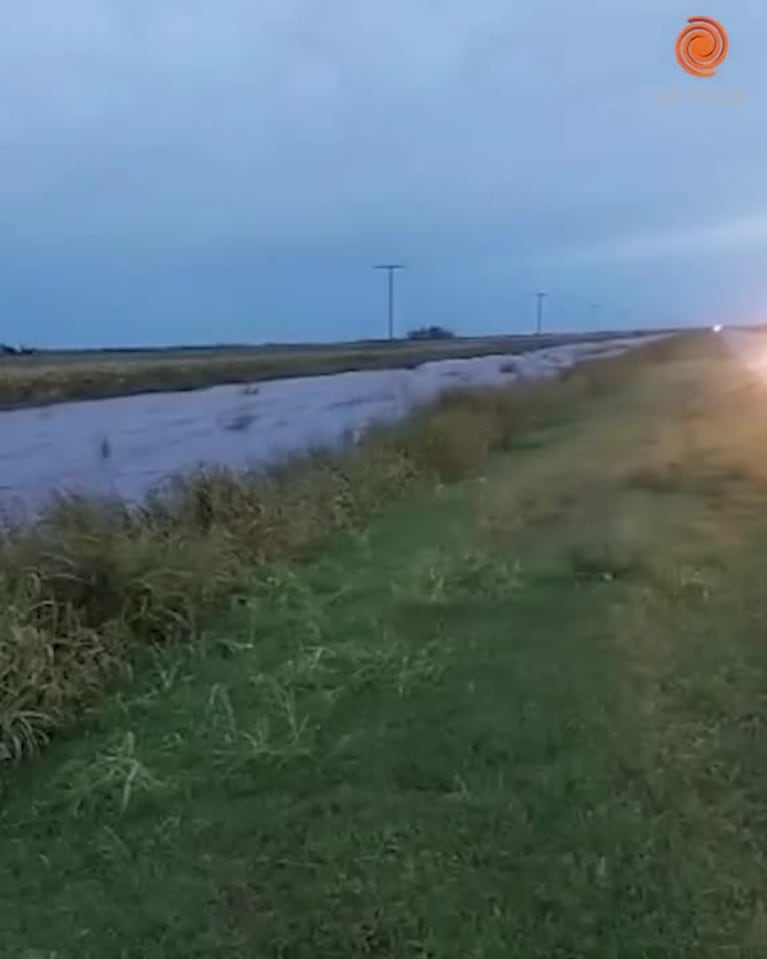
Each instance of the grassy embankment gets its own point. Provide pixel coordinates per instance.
(516, 715)
(45, 378)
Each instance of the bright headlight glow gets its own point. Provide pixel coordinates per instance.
(718, 328)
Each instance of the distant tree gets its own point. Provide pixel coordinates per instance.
(8, 350)
(431, 333)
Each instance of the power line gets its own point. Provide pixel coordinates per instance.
(391, 269)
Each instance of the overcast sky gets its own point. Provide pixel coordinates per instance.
(189, 171)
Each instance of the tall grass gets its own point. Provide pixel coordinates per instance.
(94, 578)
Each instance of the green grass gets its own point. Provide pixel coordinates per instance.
(54, 377)
(520, 714)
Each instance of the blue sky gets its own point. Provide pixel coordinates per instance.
(191, 171)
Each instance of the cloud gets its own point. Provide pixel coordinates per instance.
(702, 240)
(718, 239)
(490, 143)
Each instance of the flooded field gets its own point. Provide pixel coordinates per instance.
(126, 445)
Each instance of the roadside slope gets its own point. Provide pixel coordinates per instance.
(517, 717)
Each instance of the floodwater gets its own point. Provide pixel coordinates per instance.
(126, 445)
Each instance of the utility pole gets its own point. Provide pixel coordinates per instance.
(390, 268)
(539, 318)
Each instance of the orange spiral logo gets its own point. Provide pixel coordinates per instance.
(702, 46)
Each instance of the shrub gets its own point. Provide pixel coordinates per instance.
(431, 333)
